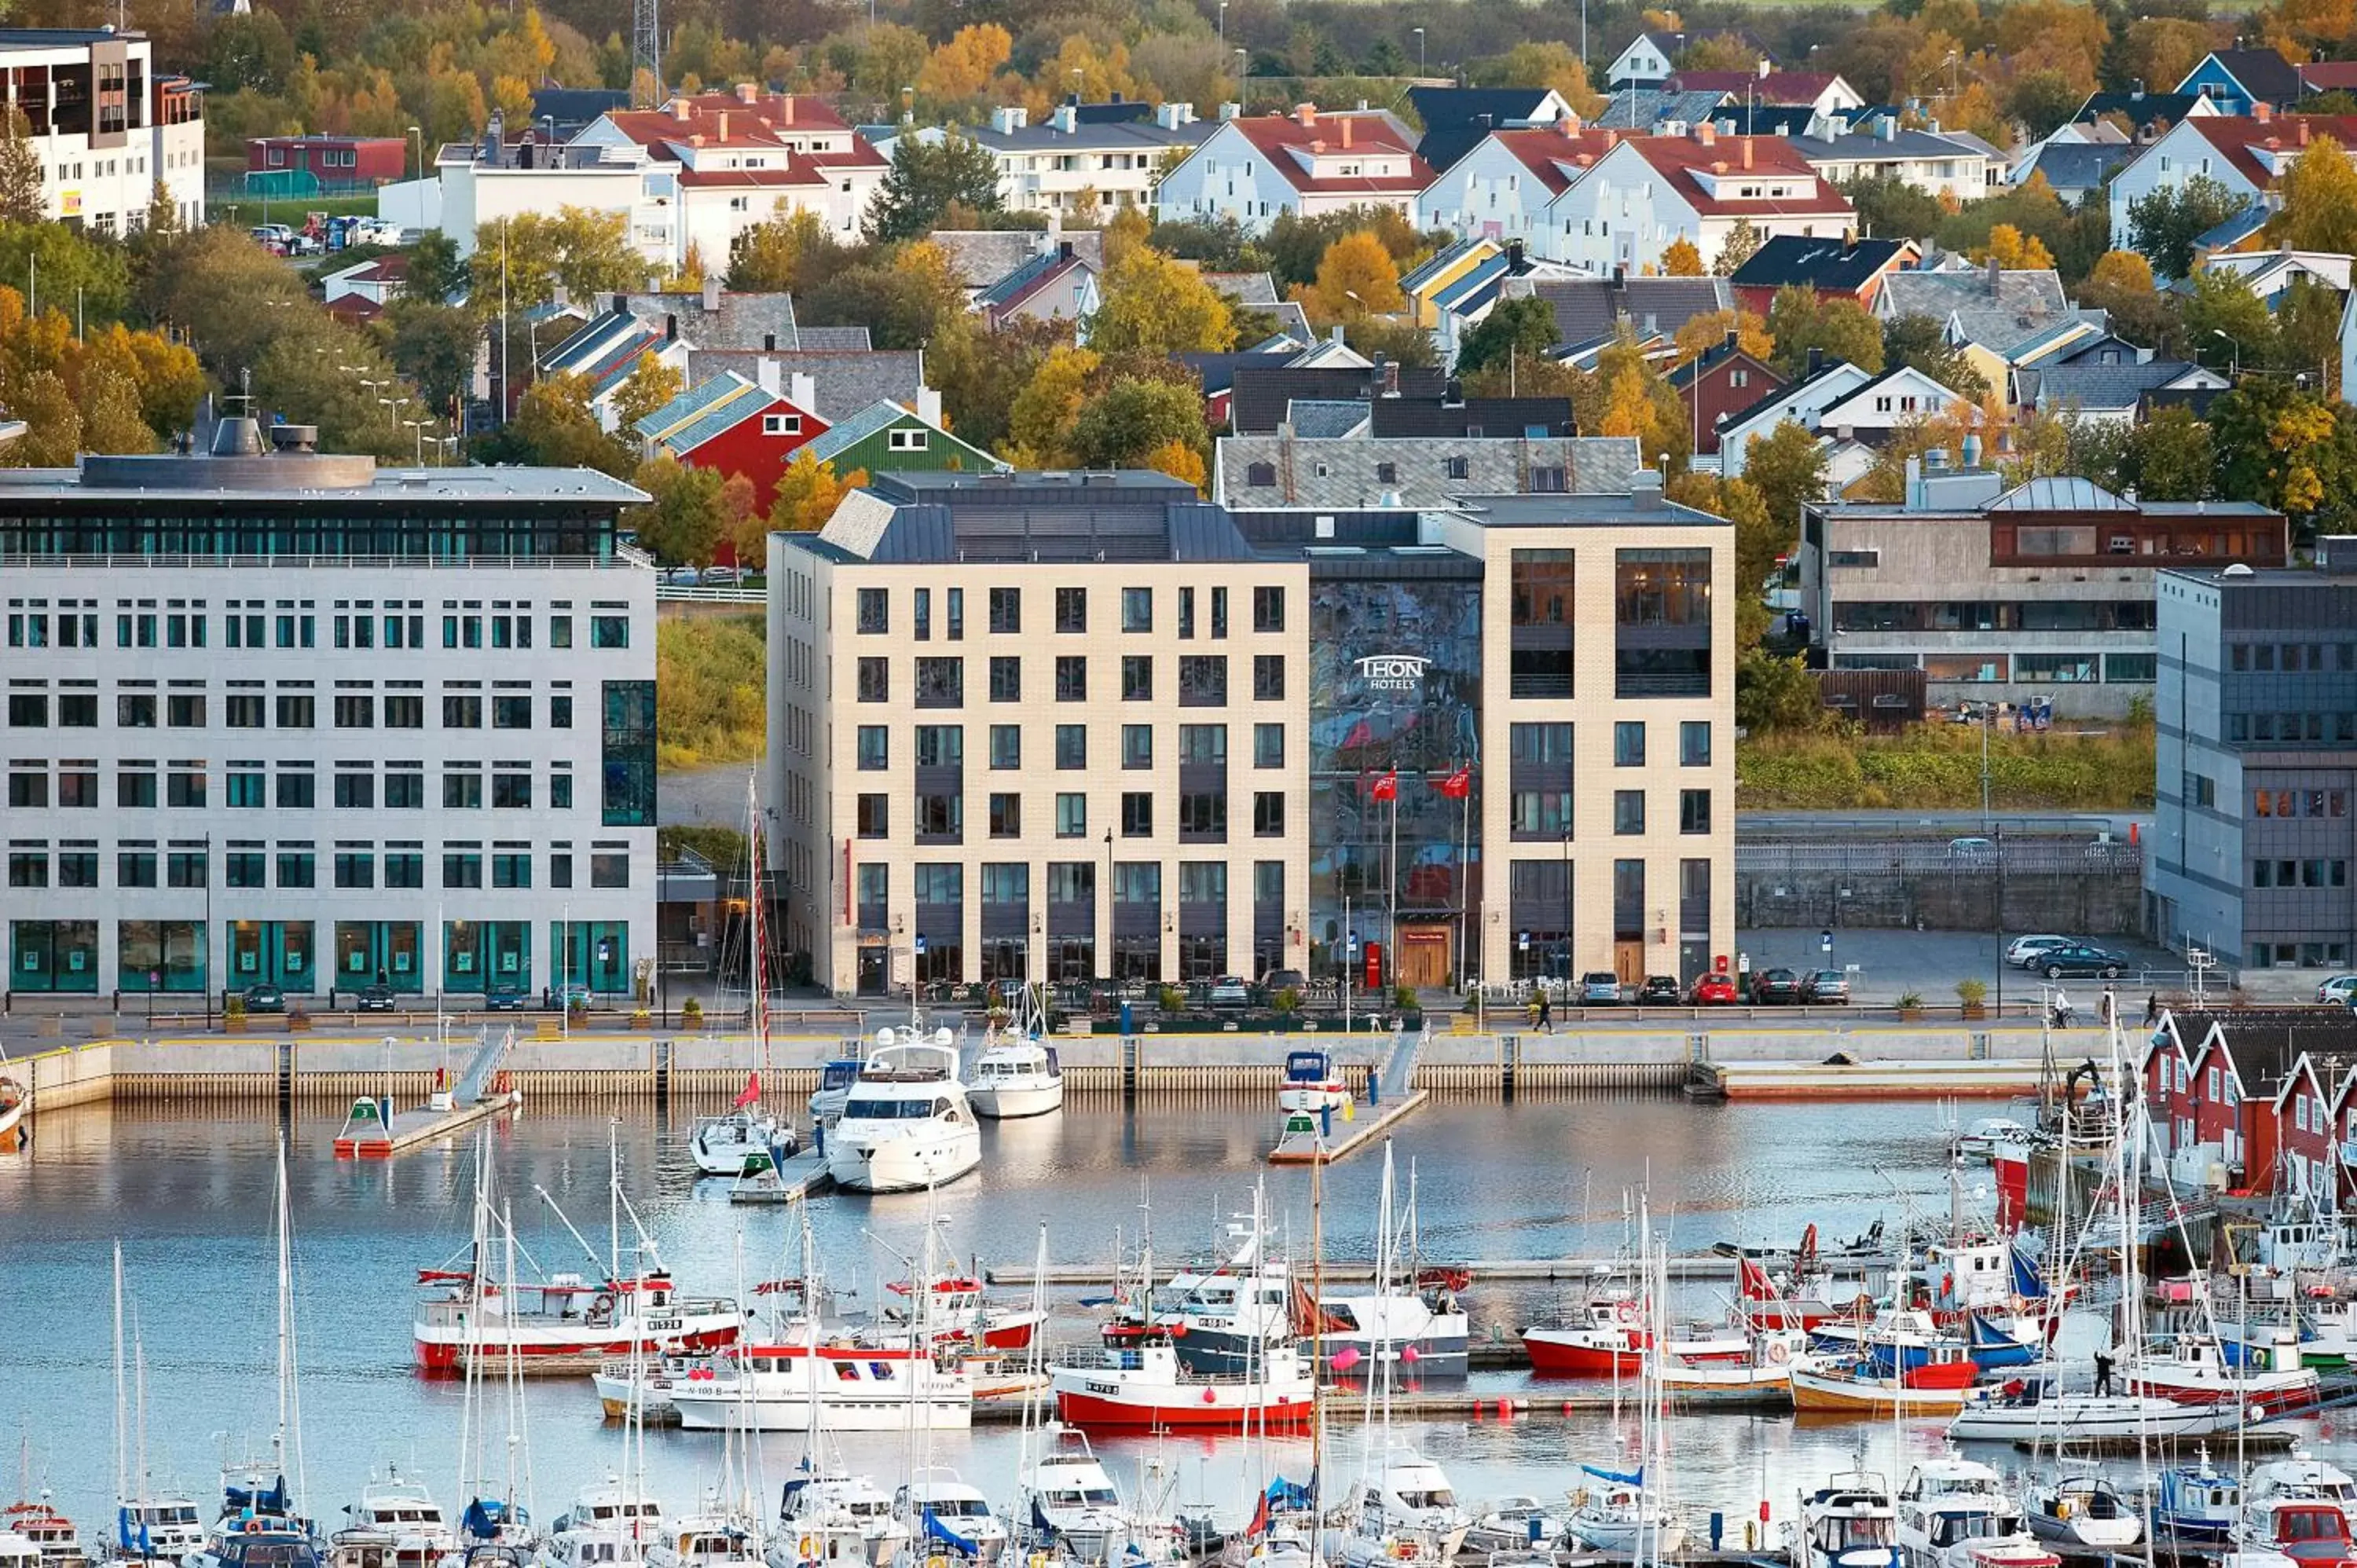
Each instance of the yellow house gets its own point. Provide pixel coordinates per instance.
(1425, 285)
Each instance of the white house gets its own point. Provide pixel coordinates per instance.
(1311, 161)
(1936, 162)
(2244, 153)
(1845, 404)
(106, 128)
(1504, 189)
(1646, 62)
(1643, 194)
(1086, 158)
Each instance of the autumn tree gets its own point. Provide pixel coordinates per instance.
(21, 197)
(1150, 304)
(682, 525)
(806, 496)
(1787, 467)
(2224, 320)
(1838, 328)
(2319, 201)
(791, 253)
(2013, 252)
(554, 427)
(1627, 396)
(1514, 330)
(1922, 342)
(1040, 422)
(437, 271)
(1742, 241)
(1706, 332)
(1682, 259)
(2121, 285)
(1546, 63)
(2172, 453)
(1356, 278)
(651, 384)
(1134, 420)
(963, 67)
(1757, 540)
(521, 261)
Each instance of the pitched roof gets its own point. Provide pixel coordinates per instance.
(2024, 305)
(1870, 146)
(1589, 308)
(983, 256)
(1455, 119)
(882, 415)
(1440, 261)
(842, 383)
(1471, 419)
(2263, 73)
(1315, 418)
(1255, 291)
(606, 348)
(1643, 108)
(2141, 108)
(2077, 166)
(1137, 132)
(758, 118)
(1287, 141)
(1262, 396)
(572, 107)
(1828, 264)
(1556, 157)
(1717, 354)
(839, 340)
(764, 320)
(2250, 143)
(1030, 278)
(2108, 387)
(701, 412)
(1691, 164)
(1776, 87)
(1217, 372)
(2329, 75)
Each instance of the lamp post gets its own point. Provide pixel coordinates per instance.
(1105, 964)
(418, 426)
(2234, 364)
(1224, 22)
(1419, 51)
(1567, 903)
(205, 960)
(417, 138)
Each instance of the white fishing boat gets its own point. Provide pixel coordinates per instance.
(2197, 1503)
(1849, 1522)
(939, 1509)
(906, 1125)
(1762, 1379)
(850, 1387)
(610, 1507)
(830, 1516)
(1065, 1500)
(1142, 1385)
(1992, 1132)
(1311, 1084)
(1953, 1513)
(2313, 1531)
(56, 1542)
(1017, 1077)
(2301, 1475)
(1616, 1513)
(396, 1524)
(712, 1537)
(2190, 1370)
(1406, 1510)
(2083, 1508)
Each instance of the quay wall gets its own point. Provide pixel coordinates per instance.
(601, 1068)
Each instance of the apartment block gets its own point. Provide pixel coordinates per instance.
(107, 128)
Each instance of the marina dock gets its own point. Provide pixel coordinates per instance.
(375, 1131)
(1309, 1140)
(1698, 1267)
(804, 1175)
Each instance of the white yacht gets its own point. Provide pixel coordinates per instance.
(396, 1524)
(1617, 1513)
(1519, 1523)
(1953, 1513)
(907, 1125)
(710, 1538)
(610, 1506)
(845, 1386)
(601, 1548)
(153, 1529)
(939, 1508)
(1847, 1524)
(1016, 1077)
(1065, 1498)
(833, 1517)
(1406, 1511)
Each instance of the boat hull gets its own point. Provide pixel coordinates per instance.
(722, 1410)
(1007, 1101)
(904, 1164)
(2076, 1419)
(1831, 1394)
(1236, 1407)
(1435, 1355)
(558, 1351)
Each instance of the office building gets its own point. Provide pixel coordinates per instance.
(107, 129)
(2255, 763)
(1215, 741)
(279, 717)
(2044, 590)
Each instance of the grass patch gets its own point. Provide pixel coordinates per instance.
(1937, 767)
(711, 703)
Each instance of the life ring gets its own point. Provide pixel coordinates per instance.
(602, 1304)
(253, 1527)
(1626, 1311)
(1778, 1352)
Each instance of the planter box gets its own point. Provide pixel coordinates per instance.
(1975, 1010)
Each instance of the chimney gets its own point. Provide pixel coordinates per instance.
(558, 298)
(1065, 119)
(711, 295)
(2303, 130)
(1566, 124)
(1620, 274)
(1335, 331)
(1514, 263)
(929, 405)
(1733, 337)
(1766, 65)
(1231, 111)
(765, 376)
(1452, 393)
(769, 342)
(679, 109)
(785, 109)
(1305, 114)
(1391, 378)
(670, 329)
(1995, 276)
(1346, 130)
(1885, 127)
(1705, 134)
(1816, 359)
(748, 93)
(1064, 248)
(2263, 113)
(1746, 150)
(802, 391)
(723, 118)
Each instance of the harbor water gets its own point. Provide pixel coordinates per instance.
(188, 1195)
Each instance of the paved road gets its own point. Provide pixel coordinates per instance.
(1831, 824)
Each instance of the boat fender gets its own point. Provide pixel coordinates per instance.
(1778, 1352)
(810, 1549)
(937, 1561)
(1579, 1499)
(2064, 1507)
(1210, 1396)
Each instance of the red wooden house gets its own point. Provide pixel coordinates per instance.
(732, 427)
(334, 160)
(1724, 380)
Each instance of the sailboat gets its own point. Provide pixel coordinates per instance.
(150, 1529)
(748, 1140)
(497, 1526)
(1627, 1511)
(258, 1526)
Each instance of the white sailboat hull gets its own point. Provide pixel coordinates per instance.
(1010, 1098)
(790, 1411)
(2081, 1417)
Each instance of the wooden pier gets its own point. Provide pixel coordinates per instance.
(1308, 1140)
(804, 1175)
(405, 1130)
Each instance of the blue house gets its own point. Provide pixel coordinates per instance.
(2240, 78)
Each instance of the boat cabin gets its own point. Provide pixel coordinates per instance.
(2304, 1530)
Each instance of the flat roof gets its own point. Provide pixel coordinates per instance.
(1571, 510)
(320, 479)
(2262, 576)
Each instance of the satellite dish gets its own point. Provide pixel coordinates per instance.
(942, 1036)
(884, 1037)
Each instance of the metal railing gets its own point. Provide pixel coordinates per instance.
(670, 594)
(2032, 857)
(405, 562)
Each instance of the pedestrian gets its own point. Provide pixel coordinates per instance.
(2152, 1010)
(2103, 1374)
(2108, 1008)
(1546, 1013)
(2061, 1010)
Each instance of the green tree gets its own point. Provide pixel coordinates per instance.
(1741, 243)
(521, 261)
(1775, 695)
(2171, 452)
(433, 346)
(1919, 342)
(1788, 469)
(554, 427)
(1516, 329)
(1546, 63)
(925, 180)
(790, 254)
(72, 271)
(1840, 329)
(1133, 418)
(21, 197)
(2163, 224)
(1891, 209)
(684, 523)
(437, 271)
(2222, 313)
(1153, 305)
(251, 50)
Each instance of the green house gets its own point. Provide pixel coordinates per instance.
(886, 436)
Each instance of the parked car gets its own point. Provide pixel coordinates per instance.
(571, 997)
(1230, 991)
(1599, 987)
(264, 998)
(720, 577)
(504, 996)
(1278, 980)
(2340, 989)
(1716, 989)
(682, 576)
(1971, 848)
(1776, 985)
(2022, 951)
(1826, 985)
(1659, 991)
(2077, 959)
(373, 999)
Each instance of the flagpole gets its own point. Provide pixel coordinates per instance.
(1464, 883)
(1392, 915)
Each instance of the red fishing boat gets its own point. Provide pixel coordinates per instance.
(1611, 1339)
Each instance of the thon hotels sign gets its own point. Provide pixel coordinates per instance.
(1393, 671)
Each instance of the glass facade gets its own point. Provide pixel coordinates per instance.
(629, 754)
(379, 952)
(1394, 683)
(160, 955)
(53, 955)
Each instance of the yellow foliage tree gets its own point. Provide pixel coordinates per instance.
(1547, 63)
(650, 385)
(1039, 421)
(1178, 460)
(1701, 333)
(2319, 201)
(966, 65)
(2013, 250)
(1682, 259)
(807, 494)
(1151, 304)
(1356, 278)
(2122, 270)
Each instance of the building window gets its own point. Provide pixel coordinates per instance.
(1693, 743)
(355, 789)
(610, 631)
(355, 711)
(1005, 678)
(875, 748)
(184, 710)
(1268, 746)
(1071, 678)
(134, 711)
(1694, 810)
(940, 682)
(907, 440)
(1540, 813)
(1136, 815)
(296, 789)
(511, 791)
(1268, 677)
(1072, 816)
(1203, 681)
(135, 868)
(1268, 814)
(1006, 816)
(294, 711)
(458, 711)
(134, 787)
(874, 816)
(1136, 746)
(1006, 611)
(1268, 610)
(874, 679)
(781, 425)
(1137, 677)
(940, 818)
(511, 713)
(1628, 811)
(1072, 746)
(404, 712)
(404, 789)
(1629, 743)
(873, 612)
(1006, 745)
(1071, 609)
(1137, 609)
(248, 791)
(462, 868)
(297, 868)
(462, 788)
(1259, 475)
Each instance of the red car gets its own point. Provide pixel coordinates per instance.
(1716, 989)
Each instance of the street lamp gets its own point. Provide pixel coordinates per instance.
(1223, 21)
(418, 426)
(1419, 51)
(418, 138)
(1104, 964)
(2234, 365)
(1244, 69)
(1567, 903)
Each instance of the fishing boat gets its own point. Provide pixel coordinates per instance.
(907, 1125)
(1761, 1379)
(1311, 1084)
(56, 1542)
(396, 1524)
(2301, 1475)
(2198, 1504)
(1621, 1516)
(835, 1081)
(1940, 1387)
(1763, 1302)
(15, 1102)
(1606, 1337)
(1987, 1135)
(1953, 1513)
(954, 1311)
(939, 1508)
(2192, 1369)
(2081, 1509)
(1142, 1385)
(1406, 1510)
(2308, 1530)
(608, 1507)
(710, 1538)
(1065, 1499)
(1015, 1078)
(1849, 1522)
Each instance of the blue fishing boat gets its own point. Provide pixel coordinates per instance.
(2198, 1503)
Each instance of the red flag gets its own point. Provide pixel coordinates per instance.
(1459, 784)
(752, 1091)
(1386, 788)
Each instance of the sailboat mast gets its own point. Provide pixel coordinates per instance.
(121, 1433)
(285, 1315)
(758, 955)
(614, 1199)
